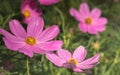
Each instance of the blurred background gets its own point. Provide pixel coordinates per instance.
(107, 43)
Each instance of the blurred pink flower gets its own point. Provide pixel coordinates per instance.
(48, 2)
(34, 40)
(90, 22)
(29, 10)
(7, 65)
(76, 62)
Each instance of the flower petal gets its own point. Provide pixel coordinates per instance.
(54, 59)
(101, 21)
(50, 46)
(35, 26)
(82, 27)
(84, 9)
(92, 30)
(95, 13)
(17, 29)
(64, 54)
(100, 27)
(48, 2)
(27, 50)
(12, 42)
(80, 53)
(7, 34)
(13, 45)
(10, 37)
(78, 70)
(40, 51)
(92, 60)
(49, 33)
(85, 66)
(73, 12)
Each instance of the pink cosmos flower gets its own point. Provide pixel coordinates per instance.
(29, 10)
(48, 2)
(76, 62)
(33, 40)
(89, 21)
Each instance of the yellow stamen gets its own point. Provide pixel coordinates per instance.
(72, 61)
(88, 20)
(30, 40)
(26, 13)
(96, 45)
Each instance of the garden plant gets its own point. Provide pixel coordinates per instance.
(59, 37)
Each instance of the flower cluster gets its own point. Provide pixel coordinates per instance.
(36, 39)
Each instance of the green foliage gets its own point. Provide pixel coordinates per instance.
(108, 40)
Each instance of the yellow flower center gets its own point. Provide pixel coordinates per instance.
(26, 13)
(96, 45)
(88, 20)
(72, 61)
(30, 40)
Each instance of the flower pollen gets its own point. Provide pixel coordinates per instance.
(30, 40)
(88, 20)
(72, 61)
(26, 13)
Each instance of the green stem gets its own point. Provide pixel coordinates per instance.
(27, 66)
(7, 19)
(90, 42)
(62, 18)
(71, 72)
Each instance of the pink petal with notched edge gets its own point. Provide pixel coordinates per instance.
(10, 37)
(27, 50)
(7, 34)
(92, 60)
(82, 27)
(101, 21)
(84, 9)
(55, 59)
(35, 27)
(78, 70)
(13, 45)
(49, 33)
(51, 45)
(100, 28)
(95, 13)
(64, 54)
(85, 66)
(17, 29)
(39, 50)
(73, 12)
(11, 41)
(48, 2)
(80, 53)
